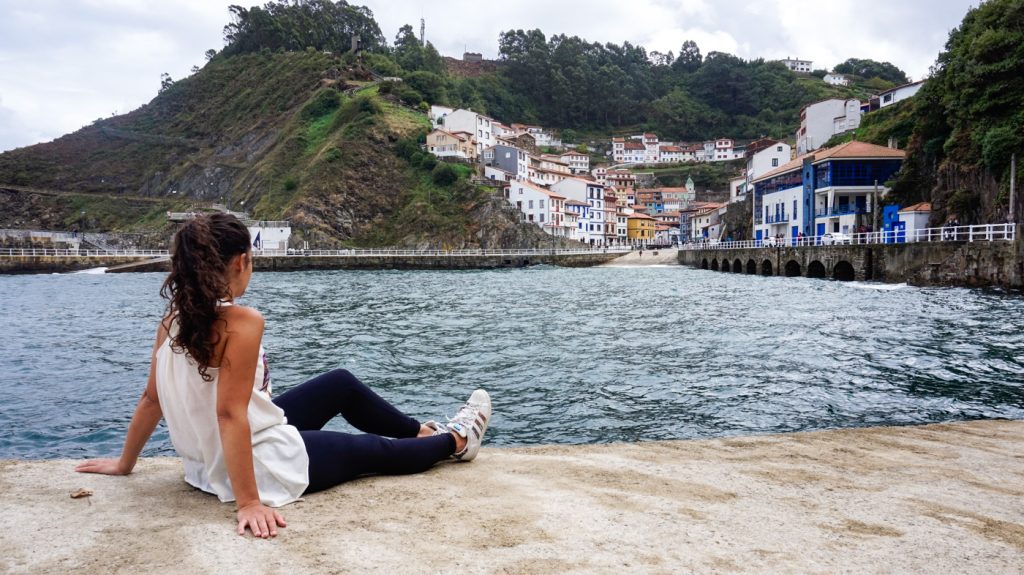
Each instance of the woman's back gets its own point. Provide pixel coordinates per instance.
(189, 407)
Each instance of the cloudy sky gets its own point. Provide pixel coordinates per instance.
(64, 63)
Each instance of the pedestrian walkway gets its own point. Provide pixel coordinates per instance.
(662, 257)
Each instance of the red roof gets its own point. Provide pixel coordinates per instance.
(921, 207)
(635, 146)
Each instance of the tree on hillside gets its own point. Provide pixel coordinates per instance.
(293, 26)
(970, 117)
(413, 56)
(868, 69)
(690, 58)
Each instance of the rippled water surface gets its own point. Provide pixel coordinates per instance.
(569, 355)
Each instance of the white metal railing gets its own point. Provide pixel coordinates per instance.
(28, 252)
(982, 233)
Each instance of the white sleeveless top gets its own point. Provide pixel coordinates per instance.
(189, 407)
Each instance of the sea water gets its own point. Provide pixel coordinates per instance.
(569, 356)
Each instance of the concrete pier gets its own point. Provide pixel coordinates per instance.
(930, 499)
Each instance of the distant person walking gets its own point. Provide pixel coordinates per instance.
(210, 381)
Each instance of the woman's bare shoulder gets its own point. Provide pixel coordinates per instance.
(240, 316)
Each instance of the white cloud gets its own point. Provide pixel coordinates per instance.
(63, 63)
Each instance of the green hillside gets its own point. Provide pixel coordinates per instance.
(283, 135)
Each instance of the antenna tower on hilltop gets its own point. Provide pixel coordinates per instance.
(423, 31)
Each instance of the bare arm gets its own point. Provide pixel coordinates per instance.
(147, 415)
(234, 389)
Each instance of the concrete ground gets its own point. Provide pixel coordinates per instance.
(933, 499)
(664, 257)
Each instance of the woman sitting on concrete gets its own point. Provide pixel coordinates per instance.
(209, 380)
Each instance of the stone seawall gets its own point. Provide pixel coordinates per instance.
(124, 264)
(964, 264)
(931, 499)
(63, 264)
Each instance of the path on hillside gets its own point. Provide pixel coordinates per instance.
(929, 499)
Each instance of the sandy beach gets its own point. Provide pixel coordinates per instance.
(660, 257)
(943, 498)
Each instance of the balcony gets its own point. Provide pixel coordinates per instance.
(843, 210)
(778, 218)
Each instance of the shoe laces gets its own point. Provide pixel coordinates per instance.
(466, 416)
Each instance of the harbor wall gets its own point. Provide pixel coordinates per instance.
(123, 264)
(964, 264)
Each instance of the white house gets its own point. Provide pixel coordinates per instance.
(579, 163)
(722, 150)
(542, 137)
(469, 121)
(619, 150)
(540, 206)
(782, 211)
(670, 155)
(822, 120)
(898, 94)
(600, 174)
(798, 65)
(634, 153)
(836, 80)
(578, 213)
(445, 144)
(652, 148)
(915, 218)
(593, 194)
(502, 131)
(497, 174)
(269, 236)
(737, 189)
(768, 158)
(437, 113)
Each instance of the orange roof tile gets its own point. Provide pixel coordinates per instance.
(848, 151)
(921, 207)
(541, 190)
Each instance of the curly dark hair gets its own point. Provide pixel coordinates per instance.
(198, 281)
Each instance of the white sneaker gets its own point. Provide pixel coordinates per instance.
(471, 423)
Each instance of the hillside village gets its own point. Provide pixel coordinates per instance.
(556, 187)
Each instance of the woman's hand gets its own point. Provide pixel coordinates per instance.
(104, 466)
(260, 519)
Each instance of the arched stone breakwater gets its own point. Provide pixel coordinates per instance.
(967, 264)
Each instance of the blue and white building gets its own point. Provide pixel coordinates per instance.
(833, 190)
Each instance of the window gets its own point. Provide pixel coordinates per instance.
(794, 208)
(531, 204)
(542, 218)
(541, 206)
(778, 148)
(775, 162)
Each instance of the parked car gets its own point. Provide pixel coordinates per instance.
(836, 238)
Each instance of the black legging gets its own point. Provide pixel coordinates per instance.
(336, 457)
